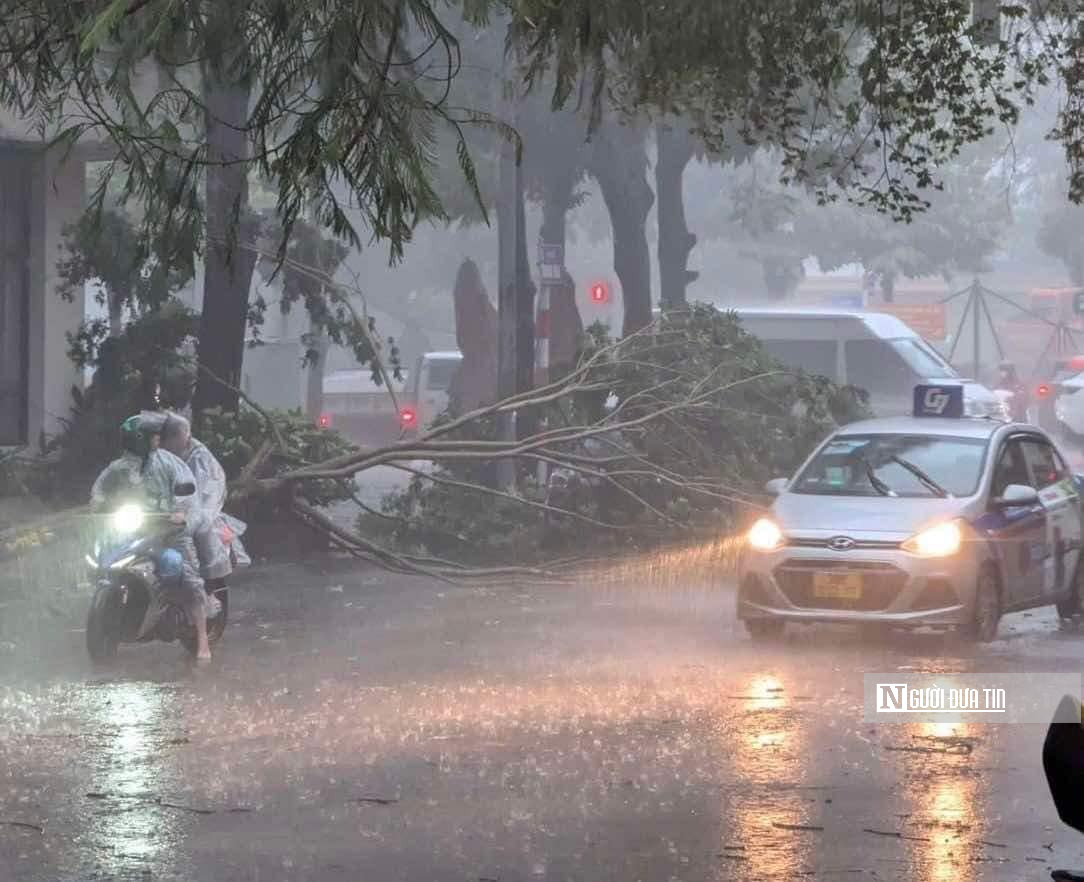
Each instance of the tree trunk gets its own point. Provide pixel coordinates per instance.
(526, 421)
(475, 383)
(314, 379)
(116, 315)
(781, 276)
(228, 269)
(619, 164)
(888, 287)
(565, 322)
(675, 149)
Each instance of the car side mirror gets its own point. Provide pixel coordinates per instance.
(1017, 495)
(776, 486)
(185, 489)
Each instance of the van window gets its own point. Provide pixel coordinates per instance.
(923, 360)
(812, 356)
(877, 367)
(439, 374)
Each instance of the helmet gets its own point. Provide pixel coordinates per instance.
(134, 438)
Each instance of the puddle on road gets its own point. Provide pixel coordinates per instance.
(127, 831)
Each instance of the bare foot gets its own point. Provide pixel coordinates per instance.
(203, 656)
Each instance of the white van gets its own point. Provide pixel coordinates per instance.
(431, 382)
(874, 351)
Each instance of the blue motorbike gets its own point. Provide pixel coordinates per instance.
(128, 604)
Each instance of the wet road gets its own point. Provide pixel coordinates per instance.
(363, 726)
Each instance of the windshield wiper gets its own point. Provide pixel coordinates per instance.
(930, 483)
(877, 484)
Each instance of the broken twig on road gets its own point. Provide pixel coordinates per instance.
(23, 825)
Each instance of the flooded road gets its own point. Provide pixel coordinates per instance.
(357, 725)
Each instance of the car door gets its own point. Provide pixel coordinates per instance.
(1051, 477)
(1018, 533)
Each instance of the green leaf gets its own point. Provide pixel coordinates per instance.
(102, 26)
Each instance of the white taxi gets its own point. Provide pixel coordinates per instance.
(929, 520)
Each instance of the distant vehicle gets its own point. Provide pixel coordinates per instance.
(873, 351)
(918, 521)
(1067, 393)
(427, 396)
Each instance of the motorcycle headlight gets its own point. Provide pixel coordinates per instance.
(127, 519)
(765, 535)
(942, 540)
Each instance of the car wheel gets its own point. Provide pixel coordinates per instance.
(987, 612)
(764, 629)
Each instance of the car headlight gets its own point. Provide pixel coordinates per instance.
(942, 540)
(764, 535)
(127, 519)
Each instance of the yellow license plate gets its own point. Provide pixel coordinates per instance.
(839, 586)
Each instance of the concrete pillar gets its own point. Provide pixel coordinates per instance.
(58, 194)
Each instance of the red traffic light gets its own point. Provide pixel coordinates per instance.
(407, 417)
(324, 422)
(1043, 391)
(600, 293)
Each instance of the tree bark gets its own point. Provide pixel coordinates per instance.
(619, 164)
(675, 149)
(228, 270)
(565, 322)
(526, 421)
(475, 383)
(314, 379)
(116, 315)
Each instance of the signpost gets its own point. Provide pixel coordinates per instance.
(551, 273)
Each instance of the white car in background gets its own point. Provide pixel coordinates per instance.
(427, 393)
(1069, 403)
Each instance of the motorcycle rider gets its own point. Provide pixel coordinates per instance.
(219, 542)
(152, 473)
(1009, 380)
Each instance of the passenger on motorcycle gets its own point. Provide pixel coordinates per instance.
(150, 473)
(219, 543)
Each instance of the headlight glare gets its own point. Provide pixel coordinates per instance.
(941, 540)
(127, 519)
(764, 535)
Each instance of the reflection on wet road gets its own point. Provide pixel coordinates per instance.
(413, 731)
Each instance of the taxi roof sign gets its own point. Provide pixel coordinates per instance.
(939, 401)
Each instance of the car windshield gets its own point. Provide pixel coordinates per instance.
(894, 465)
(922, 359)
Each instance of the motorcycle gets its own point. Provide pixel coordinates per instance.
(128, 605)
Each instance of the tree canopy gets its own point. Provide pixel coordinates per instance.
(873, 96)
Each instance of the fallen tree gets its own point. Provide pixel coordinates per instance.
(673, 430)
(669, 434)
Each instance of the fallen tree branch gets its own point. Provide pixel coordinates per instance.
(502, 494)
(357, 544)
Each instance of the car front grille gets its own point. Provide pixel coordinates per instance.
(858, 543)
(881, 583)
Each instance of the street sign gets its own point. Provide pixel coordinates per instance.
(551, 254)
(551, 262)
(928, 320)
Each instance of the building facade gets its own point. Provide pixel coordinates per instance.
(41, 191)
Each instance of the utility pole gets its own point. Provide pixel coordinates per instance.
(510, 189)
